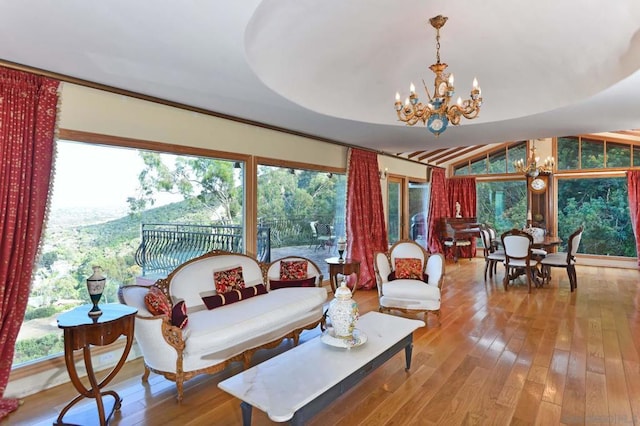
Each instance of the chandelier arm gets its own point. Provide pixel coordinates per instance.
(471, 114)
(427, 90)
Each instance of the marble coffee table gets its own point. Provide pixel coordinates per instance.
(297, 384)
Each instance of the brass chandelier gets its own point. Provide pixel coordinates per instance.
(532, 168)
(437, 114)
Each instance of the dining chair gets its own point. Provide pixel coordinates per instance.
(565, 260)
(517, 253)
(492, 256)
(493, 238)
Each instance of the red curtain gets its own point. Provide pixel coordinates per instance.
(438, 208)
(633, 186)
(28, 106)
(463, 191)
(366, 229)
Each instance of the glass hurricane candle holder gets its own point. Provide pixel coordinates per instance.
(95, 286)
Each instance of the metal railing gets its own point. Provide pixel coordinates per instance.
(296, 230)
(165, 246)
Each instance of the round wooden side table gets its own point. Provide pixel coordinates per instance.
(81, 332)
(344, 267)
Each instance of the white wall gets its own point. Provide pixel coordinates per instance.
(95, 111)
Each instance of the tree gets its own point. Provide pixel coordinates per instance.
(602, 206)
(307, 194)
(207, 181)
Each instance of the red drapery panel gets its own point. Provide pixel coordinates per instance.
(438, 208)
(463, 191)
(28, 105)
(633, 185)
(366, 229)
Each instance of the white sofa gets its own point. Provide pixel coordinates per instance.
(214, 338)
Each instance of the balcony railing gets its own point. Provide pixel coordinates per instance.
(297, 230)
(165, 246)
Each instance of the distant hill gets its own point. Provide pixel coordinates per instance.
(128, 227)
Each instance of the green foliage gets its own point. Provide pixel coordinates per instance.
(209, 181)
(568, 153)
(306, 193)
(502, 204)
(602, 205)
(42, 312)
(591, 154)
(30, 349)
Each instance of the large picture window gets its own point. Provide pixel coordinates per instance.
(502, 204)
(136, 213)
(602, 206)
(304, 211)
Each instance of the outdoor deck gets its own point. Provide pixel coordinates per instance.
(317, 255)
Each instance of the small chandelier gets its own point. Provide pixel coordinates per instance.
(437, 114)
(531, 168)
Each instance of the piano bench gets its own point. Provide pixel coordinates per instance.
(455, 246)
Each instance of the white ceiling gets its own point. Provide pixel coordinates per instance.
(331, 68)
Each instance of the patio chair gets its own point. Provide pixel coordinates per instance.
(324, 235)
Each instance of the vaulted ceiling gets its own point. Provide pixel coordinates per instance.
(331, 69)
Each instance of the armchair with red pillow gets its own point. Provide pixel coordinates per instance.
(409, 279)
(293, 271)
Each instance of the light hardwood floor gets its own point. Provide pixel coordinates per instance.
(552, 357)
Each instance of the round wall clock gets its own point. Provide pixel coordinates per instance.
(538, 184)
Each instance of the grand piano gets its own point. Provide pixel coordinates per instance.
(457, 232)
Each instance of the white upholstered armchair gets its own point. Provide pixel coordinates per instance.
(409, 279)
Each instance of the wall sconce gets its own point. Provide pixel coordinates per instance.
(383, 173)
(237, 165)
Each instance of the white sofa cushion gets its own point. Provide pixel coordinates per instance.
(215, 330)
(410, 294)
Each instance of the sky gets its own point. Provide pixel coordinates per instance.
(89, 175)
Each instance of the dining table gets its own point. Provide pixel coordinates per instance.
(540, 274)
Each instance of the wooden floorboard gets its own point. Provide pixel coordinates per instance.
(496, 357)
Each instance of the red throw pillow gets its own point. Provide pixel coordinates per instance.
(233, 296)
(392, 276)
(307, 282)
(228, 279)
(179, 316)
(156, 302)
(293, 269)
(408, 268)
